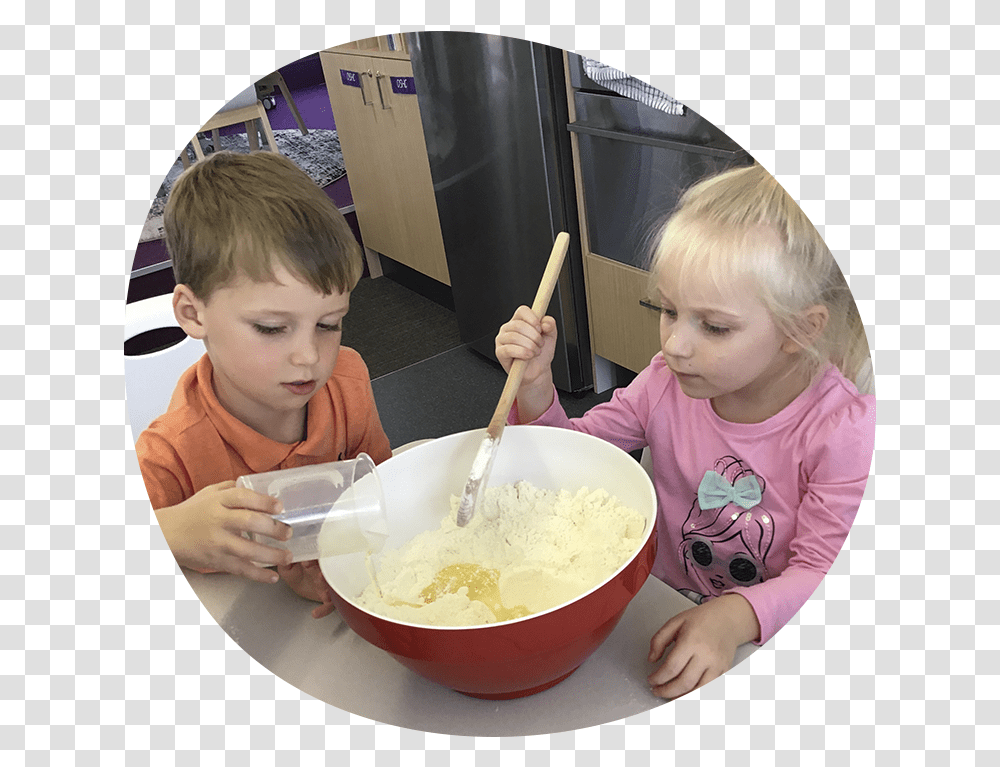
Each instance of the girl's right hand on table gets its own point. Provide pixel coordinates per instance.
(205, 532)
(704, 639)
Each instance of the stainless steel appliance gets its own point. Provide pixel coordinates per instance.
(496, 123)
(636, 161)
(494, 112)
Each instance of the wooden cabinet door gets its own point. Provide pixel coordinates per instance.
(622, 330)
(385, 154)
(413, 235)
(354, 113)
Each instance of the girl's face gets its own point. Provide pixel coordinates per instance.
(724, 346)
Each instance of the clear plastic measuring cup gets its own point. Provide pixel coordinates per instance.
(332, 508)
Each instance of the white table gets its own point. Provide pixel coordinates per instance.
(327, 660)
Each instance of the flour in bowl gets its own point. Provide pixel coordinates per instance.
(527, 550)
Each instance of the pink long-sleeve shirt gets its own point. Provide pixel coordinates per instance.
(757, 509)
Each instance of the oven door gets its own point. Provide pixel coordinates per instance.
(635, 163)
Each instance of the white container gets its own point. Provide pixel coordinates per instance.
(420, 483)
(333, 508)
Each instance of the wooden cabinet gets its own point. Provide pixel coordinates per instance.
(385, 155)
(622, 330)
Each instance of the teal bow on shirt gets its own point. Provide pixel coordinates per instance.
(714, 492)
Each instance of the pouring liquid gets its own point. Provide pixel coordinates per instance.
(344, 536)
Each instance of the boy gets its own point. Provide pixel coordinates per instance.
(264, 265)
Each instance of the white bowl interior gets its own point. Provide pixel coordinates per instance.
(418, 483)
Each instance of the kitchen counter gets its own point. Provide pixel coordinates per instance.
(327, 660)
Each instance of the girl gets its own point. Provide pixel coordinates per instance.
(761, 444)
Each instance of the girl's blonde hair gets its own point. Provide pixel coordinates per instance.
(742, 224)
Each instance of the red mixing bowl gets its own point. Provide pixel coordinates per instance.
(524, 656)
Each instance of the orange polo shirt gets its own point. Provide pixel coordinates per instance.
(197, 442)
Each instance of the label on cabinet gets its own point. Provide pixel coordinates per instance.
(347, 77)
(403, 85)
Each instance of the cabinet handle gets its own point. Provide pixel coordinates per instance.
(378, 82)
(364, 100)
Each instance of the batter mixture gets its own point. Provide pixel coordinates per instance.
(527, 550)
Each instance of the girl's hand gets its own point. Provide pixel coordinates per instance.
(306, 580)
(705, 640)
(526, 337)
(205, 532)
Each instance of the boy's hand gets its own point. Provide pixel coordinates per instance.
(526, 337)
(205, 532)
(705, 640)
(306, 580)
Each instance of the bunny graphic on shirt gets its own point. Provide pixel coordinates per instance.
(727, 533)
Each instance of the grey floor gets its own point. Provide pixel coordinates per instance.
(393, 327)
(454, 391)
(427, 383)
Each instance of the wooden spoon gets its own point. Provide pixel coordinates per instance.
(483, 463)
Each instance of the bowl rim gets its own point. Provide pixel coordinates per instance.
(647, 534)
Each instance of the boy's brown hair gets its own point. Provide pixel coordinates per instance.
(233, 214)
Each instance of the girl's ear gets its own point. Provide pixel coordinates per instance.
(814, 320)
(188, 310)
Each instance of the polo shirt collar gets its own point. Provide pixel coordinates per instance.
(258, 452)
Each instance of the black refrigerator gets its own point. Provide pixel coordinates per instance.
(494, 116)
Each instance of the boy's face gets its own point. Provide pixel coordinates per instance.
(272, 345)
